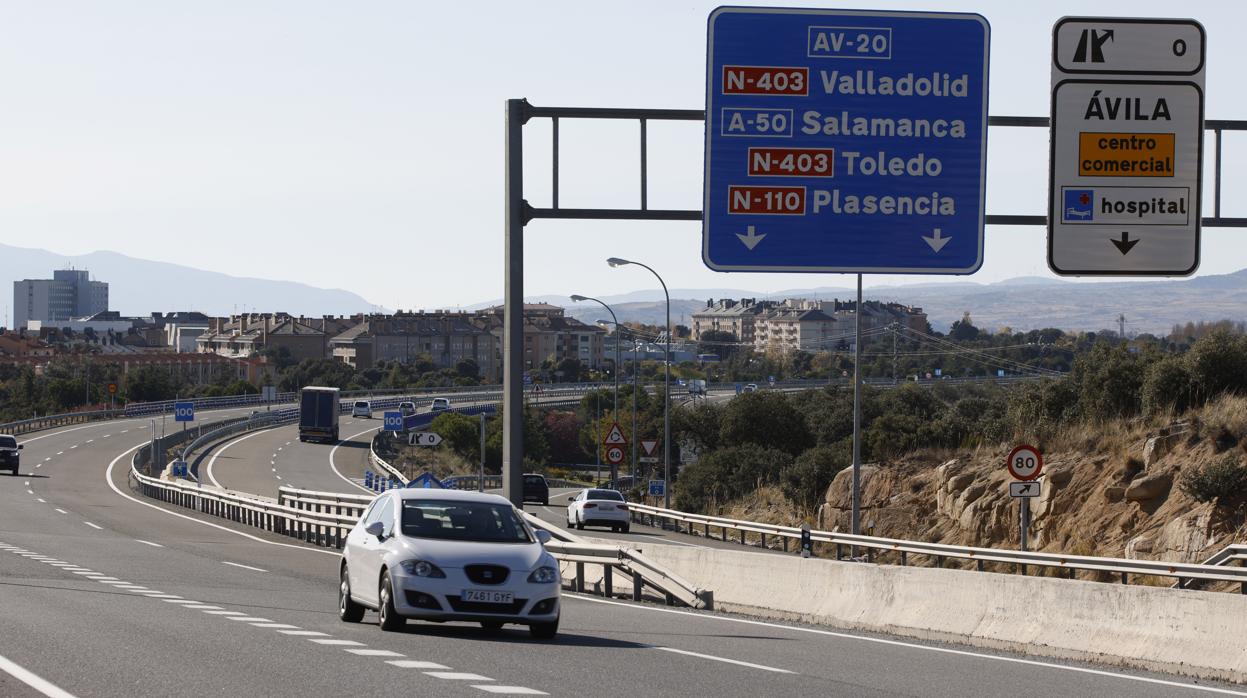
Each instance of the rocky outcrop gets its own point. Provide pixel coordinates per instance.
(1149, 487)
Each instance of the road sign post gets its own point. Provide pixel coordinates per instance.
(1025, 463)
(1127, 133)
(845, 141)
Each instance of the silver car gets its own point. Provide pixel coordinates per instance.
(447, 555)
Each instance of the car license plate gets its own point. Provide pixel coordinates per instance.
(482, 596)
(608, 507)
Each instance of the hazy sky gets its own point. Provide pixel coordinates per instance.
(359, 144)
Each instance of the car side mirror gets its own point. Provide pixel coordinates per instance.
(543, 536)
(376, 528)
(21, 446)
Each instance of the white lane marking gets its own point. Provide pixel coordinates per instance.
(27, 483)
(45, 460)
(38, 465)
(287, 443)
(334, 468)
(224, 613)
(278, 448)
(181, 601)
(910, 645)
(107, 435)
(203, 607)
(148, 542)
(41, 500)
(107, 580)
(725, 660)
(59, 453)
(277, 476)
(125, 431)
(251, 619)
(131, 587)
(245, 567)
(98, 528)
(457, 676)
(223, 449)
(511, 690)
(88, 441)
(61, 511)
(108, 478)
(335, 642)
(274, 469)
(158, 595)
(304, 633)
(33, 680)
(86, 573)
(416, 664)
(30, 491)
(73, 447)
(276, 626)
(376, 653)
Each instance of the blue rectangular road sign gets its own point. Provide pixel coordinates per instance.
(845, 141)
(657, 488)
(393, 421)
(183, 411)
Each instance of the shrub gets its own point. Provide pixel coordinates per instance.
(726, 474)
(1167, 385)
(1223, 479)
(767, 419)
(806, 481)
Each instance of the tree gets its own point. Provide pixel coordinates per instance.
(766, 419)
(964, 330)
(727, 474)
(468, 368)
(569, 370)
(460, 432)
(564, 429)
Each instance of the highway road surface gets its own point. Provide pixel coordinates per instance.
(104, 593)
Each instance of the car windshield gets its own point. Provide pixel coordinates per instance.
(534, 480)
(361, 404)
(480, 522)
(605, 494)
(8, 442)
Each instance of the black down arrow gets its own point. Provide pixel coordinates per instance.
(1125, 244)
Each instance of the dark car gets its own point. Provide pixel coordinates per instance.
(536, 489)
(10, 454)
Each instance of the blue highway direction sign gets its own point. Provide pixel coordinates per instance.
(183, 411)
(845, 141)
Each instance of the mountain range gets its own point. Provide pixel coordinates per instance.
(1022, 303)
(140, 286)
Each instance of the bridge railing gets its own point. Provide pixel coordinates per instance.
(1061, 563)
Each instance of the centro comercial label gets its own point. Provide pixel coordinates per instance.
(1125, 154)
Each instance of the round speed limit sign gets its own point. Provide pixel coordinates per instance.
(1025, 462)
(614, 455)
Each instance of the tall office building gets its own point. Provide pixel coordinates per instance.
(70, 293)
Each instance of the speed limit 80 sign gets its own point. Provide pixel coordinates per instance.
(1025, 462)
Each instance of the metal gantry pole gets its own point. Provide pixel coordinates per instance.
(481, 482)
(513, 307)
(857, 415)
(636, 347)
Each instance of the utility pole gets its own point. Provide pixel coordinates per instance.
(894, 353)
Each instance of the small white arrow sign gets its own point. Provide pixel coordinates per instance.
(936, 241)
(751, 238)
(424, 438)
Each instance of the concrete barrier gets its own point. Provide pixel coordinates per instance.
(1194, 633)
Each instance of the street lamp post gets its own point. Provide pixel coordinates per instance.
(666, 398)
(576, 298)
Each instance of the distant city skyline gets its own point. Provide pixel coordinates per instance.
(360, 147)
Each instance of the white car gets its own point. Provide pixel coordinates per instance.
(448, 555)
(592, 507)
(362, 408)
(440, 404)
(407, 408)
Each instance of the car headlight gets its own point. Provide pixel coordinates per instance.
(544, 575)
(423, 568)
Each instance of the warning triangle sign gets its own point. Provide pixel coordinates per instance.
(649, 446)
(615, 437)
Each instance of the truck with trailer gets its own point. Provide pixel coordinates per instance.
(318, 414)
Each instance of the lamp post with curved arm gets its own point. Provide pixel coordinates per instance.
(666, 401)
(576, 298)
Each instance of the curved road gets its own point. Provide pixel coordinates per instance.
(103, 593)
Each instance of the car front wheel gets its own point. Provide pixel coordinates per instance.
(544, 631)
(390, 620)
(348, 610)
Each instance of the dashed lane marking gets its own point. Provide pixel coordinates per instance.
(335, 642)
(61, 511)
(416, 664)
(276, 626)
(725, 660)
(225, 613)
(375, 653)
(245, 567)
(147, 542)
(457, 676)
(304, 633)
(511, 690)
(98, 528)
(251, 619)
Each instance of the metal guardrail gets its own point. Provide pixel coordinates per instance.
(570, 548)
(1183, 572)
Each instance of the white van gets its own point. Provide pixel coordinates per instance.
(362, 408)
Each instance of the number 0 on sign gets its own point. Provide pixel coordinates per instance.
(1025, 462)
